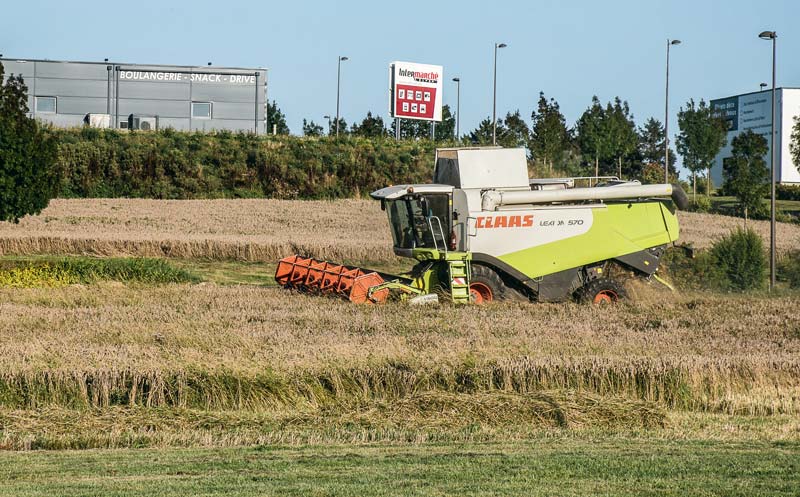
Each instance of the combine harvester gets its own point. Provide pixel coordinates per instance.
(484, 231)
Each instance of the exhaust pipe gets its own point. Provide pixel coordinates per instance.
(492, 199)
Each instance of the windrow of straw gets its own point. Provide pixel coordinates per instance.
(422, 417)
(740, 387)
(255, 229)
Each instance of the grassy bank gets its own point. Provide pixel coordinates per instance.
(542, 466)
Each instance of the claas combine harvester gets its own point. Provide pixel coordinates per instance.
(484, 231)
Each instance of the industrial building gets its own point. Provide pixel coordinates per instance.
(753, 111)
(122, 95)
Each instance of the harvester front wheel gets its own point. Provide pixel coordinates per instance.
(485, 285)
(602, 291)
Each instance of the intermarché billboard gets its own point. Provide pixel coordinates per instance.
(416, 91)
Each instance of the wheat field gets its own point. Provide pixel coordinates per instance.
(220, 347)
(255, 230)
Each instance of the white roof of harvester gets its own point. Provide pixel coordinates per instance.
(482, 168)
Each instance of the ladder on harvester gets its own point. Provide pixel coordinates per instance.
(459, 268)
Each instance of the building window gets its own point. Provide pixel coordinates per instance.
(46, 105)
(201, 110)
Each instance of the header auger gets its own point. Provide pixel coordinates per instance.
(484, 231)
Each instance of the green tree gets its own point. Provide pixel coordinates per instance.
(702, 136)
(416, 129)
(276, 120)
(310, 128)
(370, 127)
(794, 144)
(620, 132)
(482, 135)
(342, 127)
(746, 173)
(411, 129)
(27, 155)
(515, 131)
(446, 128)
(591, 133)
(549, 134)
(651, 149)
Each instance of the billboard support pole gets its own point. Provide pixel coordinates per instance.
(397, 129)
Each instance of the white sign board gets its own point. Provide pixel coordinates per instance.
(416, 91)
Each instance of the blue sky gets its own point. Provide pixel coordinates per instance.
(570, 50)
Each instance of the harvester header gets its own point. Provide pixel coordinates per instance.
(484, 231)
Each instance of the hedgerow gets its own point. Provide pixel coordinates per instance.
(168, 164)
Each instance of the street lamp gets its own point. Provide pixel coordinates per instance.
(329, 123)
(772, 35)
(666, 115)
(338, 84)
(761, 86)
(458, 106)
(494, 98)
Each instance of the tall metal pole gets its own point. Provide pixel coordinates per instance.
(494, 94)
(772, 35)
(773, 160)
(458, 106)
(666, 115)
(338, 84)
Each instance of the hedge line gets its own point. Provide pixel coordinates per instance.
(787, 192)
(178, 165)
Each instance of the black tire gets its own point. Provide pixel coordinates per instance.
(484, 279)
(602, 291)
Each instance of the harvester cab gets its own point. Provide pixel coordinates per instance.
(484, 231)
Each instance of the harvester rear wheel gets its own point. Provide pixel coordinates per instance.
(485, 285)
(602, 291)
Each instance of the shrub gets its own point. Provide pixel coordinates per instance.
(697, 271)
(789, 269)
(701, 203)
(787, 192)
(741, 260)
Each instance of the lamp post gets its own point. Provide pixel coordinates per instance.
(458, 106)
(761, 86)
(338, 85)
(772, 35)
(666, 114)
(329, 123)
(494, 97)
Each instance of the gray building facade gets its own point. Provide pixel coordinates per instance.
(121, 95)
